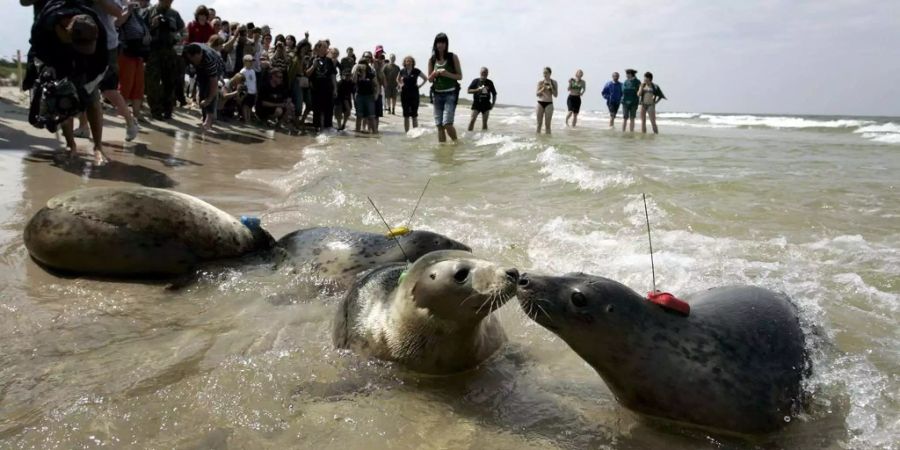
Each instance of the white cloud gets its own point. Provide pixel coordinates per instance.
(766, 56)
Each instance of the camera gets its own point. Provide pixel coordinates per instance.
(53, 101)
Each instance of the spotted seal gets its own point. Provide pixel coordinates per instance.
(337, 255)
(134, 232)
(432, 317)
(735, 363)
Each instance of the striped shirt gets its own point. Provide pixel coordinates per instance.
(211, 65)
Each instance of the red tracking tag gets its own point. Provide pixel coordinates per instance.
(669, 301)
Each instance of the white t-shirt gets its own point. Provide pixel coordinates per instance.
(249, 80)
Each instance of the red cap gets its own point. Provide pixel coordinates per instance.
(379, 50)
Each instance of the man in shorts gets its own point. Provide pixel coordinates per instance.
(630, 97)
(612, 93)
(484, 96)
(391, 71)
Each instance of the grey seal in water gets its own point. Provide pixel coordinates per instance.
(432, 317)
(735, 363)
(135, 231)
(337, 255)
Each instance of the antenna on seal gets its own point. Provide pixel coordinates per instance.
(391, 233)
(416, 208)
(664, 299)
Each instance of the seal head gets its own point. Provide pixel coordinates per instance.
(432, 317)
(735, 364)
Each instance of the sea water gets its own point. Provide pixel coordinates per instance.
(243, 357)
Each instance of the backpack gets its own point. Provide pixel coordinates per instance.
(134, 35)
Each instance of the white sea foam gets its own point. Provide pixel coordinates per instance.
(312, 166)
(678, 115)
(782, 122)
(559, 167)
(887, 133)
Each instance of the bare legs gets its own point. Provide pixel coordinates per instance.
(406, 120)
(653, 119)
(574, 117)
(446, 130)
(484, 119)
(544, 116)
(651, 110)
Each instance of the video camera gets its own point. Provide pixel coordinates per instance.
(53, 101)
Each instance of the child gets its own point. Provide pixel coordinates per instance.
(249, 77)
(342, 106)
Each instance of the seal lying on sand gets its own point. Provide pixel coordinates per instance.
(432, 317)
(135, 231)
(735, 363)
(338, 254)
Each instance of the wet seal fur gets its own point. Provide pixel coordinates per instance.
(337, 255)
(435, 319)
(135, 232)
(735, 364)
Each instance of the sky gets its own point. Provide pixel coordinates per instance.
(834, 57)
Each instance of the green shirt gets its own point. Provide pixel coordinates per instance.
(630, 90)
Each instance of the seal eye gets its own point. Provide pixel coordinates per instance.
(461, 275)
(578, 299)
(609, 308)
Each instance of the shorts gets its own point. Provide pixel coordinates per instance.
(613, 108)
(131, 77)
(110, 80)
(629, 110)
(390, 91)
(365, 105)
(482, 106)
(574, 103)
(409, 102)
(445, 107)
(342, 106)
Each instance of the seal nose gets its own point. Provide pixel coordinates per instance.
(523, 280)
(513, 275)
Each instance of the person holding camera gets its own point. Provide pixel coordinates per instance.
(546, 90)
(162, 72)
(69, 45)
(650, 94)
(322, 73)
(274, 101)
(365, 78)
(484, 96)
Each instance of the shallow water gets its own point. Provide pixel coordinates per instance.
(243, 358)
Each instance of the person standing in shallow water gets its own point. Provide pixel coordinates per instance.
(484, 97)
(546, 90)
(444, 71)
(408, 79)
(651, 94)
(577, 88)
(612, 93)
(322, 73)
(630, 98)
(391, 71)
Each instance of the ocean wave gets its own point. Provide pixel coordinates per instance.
(567, 169)
(783, 122)
(887, 133)
(678, 115)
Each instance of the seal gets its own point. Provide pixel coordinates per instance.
(735, 363)
(135, 232)
(432, 317)
(337, 255)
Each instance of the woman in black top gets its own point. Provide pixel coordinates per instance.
(408, 80)
(322, 74)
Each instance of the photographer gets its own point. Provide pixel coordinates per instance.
(163, 69)
(484, 97)
(69, 45)
(273, 103)
(322, 73)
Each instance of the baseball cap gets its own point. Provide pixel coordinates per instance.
(84, 32)
(379, 50)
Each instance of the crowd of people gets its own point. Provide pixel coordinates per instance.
(123, 51)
